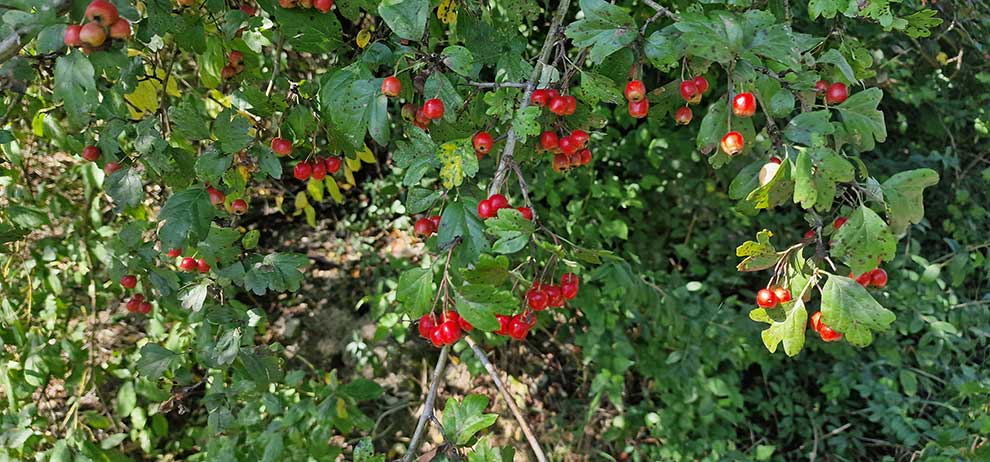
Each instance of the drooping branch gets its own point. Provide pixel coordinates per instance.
(661, 9)
(533, 443)
(427, 406)
(11, 44)
(505, 163)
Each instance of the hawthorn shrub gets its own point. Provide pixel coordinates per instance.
(704, 231)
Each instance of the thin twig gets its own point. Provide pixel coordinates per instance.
(533, 443)
(661, 9)
(427, 406)
(497, 85)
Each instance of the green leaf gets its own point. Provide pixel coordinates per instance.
(862, 121)
(835, 58)
(419, 200)
(457, 161)
(416, 156)
(462, 420)
(362, 389)
(527, 123)
(187, 121)
(829, 8)
(187, 215)
(774, 99)
(816, 173)
(490, 270)
(211, 165)
(352, 100)
(606, 28)
(460, 220)
(663, 48)
(459, 60)
(483, 452)
(809, 128)
(126, 189)
(787, 326)
(231, 130)
(717, 38)
(849, 309)
(406, 18)
(511, 229)
(863, 241)
(902, 195)
(220, 245)
(921, 23)
(479, 303)
(308, 31)
(598, 88)
(415, 291)
(365, 452)
(75, 85)
(760, 254)
(777, 191)
(155, 360)
(278, 272)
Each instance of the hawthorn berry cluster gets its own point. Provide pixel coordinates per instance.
(218, 198)
(635, 93)
(827, 333)
(137, 303)
(488, 208)
(834, 93)
(569, 151)
(421, 117)
(770, 297)
(427, 226)
(318, 168)
(550, 98)
(445, 330)
(876, 278)
(538, 298)
(190, 264)
(234, 66)
(323, 6)
(103, 21)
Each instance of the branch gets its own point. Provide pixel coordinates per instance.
(661, 9)
(13, 43)
(427, 406)
(497, 85)
(533, 443)
(505, 162)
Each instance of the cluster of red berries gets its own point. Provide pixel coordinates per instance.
(538, 298)
(876, 278)
(569, 151)
(317, 169)
(445, 330)
(217, 198)
(562, 105)
(421, 117)
(137, 304)
(322, 6)
(190, 264)
(770, 297)
(834, 93)
(104, 21)
(488, 208)
(234, 66)
(827, 333)
(639, 106)
(427, 226)
(483, 143)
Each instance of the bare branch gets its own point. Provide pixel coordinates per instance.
(497, 85)
(427, 406)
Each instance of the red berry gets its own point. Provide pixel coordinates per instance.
(111, 167)
(683, 116)
(437, 338)
(216, 196)
(584, 157)
(828, 334)
(783, 294)
(635, 90)
(235, 58)
(555, 297)
(567, 145)
(319, 169)
(879, 277)
(247, 9)
(864, 279)
(408, 112)
(433, 108)
(497, 202)
(485, 209)
(775, 160)
(503, 324)
(537, 299)
(144, 308)
(837, 93)
(560, 163)
(821, 87)
(701, 84)
(549, 140)
(569, 279)
(482, 142)
(540, 97)
(689, 91)
(816, 321)
(839, 222)
(102, 13)
(461, 322)
(569, 291)
(129, 281)
(639, 109)
(744, 105)
(188, 264)
(92, 34)
(134, 304)
(435, 220)
(323, 6)
(732, 143)
(228, 72)
(558, 105)
(519, 327)
(571, 104)
(391, 86)
(552, 93)
(810, 234)
(71, 37)
(302, 171)
(765, 298)
(174, 252)
(450, 332)
(202, 266)
(526, 212)
(91, 153)
(427, 324)
(333, 165)
(239, 207)
(423, 227)
(580, 137)
(281, 146)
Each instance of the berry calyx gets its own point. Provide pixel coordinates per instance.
(540, 97)
(188, 264)
(71, 36)
(281, 146)
(498, 202)
(879, 277)
(302, 171)
(91, 153)
(701, 83)
(102, 12)
(216, 196)
(423, 227)
(635, 90)
(683, 116)
(333, 165)
(639, 109)
(239, 207)
(92, 34)
(560, 163)
(482, 142)
(837, 93)
(391, 86)
(408, 112)
(202, 266)
(549, 140)
(783, 294)
(129, 281)
(689, 91)
(433, 108)
(427, 324)
(485, 209)
(765, 298)
(732, 143)
(526, 212)
(744, 105)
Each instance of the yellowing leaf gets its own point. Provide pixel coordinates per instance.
(315, 188)
(366, 155)
(310, 215)
(341, 408)
(458, 160)
(363, 38)
(301, 202)
(334, 191)
(223, 99)
(353, 165)
(349, 176)
(279, 200)
(447, 11)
